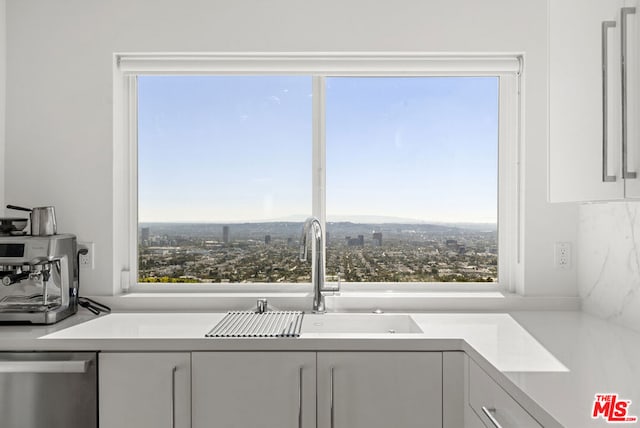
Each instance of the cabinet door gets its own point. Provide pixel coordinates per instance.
(254, 389)
(379, 389)
(145, 390)
(577, 130)
(632, 81)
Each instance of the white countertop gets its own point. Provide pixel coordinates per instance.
(552, 362)
(601, 358)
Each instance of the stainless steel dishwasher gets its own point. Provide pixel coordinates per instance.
(48, 389)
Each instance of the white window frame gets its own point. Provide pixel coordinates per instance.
(507, 67)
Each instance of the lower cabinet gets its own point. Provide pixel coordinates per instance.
(144, 390)
(472, 399)
(302, 390)
(493, 405)
(254, 389)
(379, 389)
(457, 412)
(350, 389)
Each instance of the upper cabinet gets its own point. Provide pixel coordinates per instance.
(632, 17)
(594, 100)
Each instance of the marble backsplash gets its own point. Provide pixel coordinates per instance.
(608, 261)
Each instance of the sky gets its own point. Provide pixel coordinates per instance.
(238, 148)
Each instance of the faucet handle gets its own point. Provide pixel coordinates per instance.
(262, 306)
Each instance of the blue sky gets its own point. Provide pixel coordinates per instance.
(223, 149)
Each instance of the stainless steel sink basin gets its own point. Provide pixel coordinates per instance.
(359, 324)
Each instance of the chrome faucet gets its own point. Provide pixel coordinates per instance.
(313, 225)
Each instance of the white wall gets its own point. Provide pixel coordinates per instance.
(3, 94)
(609, 261)
(60, 90)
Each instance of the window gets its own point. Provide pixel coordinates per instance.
(412, 168)
(411, 163)
(223, 178)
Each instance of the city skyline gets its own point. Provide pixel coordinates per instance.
(269, 253)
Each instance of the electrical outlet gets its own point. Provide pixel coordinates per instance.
(563, 255)
(86, 261)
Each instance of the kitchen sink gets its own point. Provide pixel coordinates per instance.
(359, 324)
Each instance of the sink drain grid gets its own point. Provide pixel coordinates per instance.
(253, 324)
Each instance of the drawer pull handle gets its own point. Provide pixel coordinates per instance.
(45, 366)
(173, 396)
(605, 104)
(300, 397)
(489, 413)
(333, 412)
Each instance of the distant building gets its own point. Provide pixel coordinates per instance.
(267, 239)
(144, 234)
(355, 242)
(289, 242)
(225, 234)
(377, 238)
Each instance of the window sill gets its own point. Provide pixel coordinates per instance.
(344, 301)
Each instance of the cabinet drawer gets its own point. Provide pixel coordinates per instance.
(484, 392)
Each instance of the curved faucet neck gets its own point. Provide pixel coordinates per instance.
(313, 225)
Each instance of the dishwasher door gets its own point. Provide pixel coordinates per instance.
(48, 390)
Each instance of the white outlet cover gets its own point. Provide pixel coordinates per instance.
(562, 256)
(86, 262)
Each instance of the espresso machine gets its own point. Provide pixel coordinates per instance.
(39, 278)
